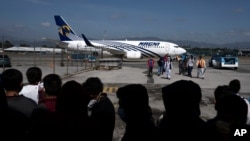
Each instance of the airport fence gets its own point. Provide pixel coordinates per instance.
(62, 64)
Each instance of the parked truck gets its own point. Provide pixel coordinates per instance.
(224, 61)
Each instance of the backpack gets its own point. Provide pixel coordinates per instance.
(159, 62)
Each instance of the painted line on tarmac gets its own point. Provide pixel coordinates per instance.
(109, 89)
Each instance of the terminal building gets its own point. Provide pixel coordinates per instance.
(244, 52)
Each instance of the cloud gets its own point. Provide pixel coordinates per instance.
(19, 26)
(45, 24)
(117, 16)
(238, 33)
(230, 33)
(238, 10)
(247, 33)
(37, 2)
(149, 19)
(180, 20)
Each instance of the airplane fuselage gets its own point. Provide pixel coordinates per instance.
(146, 48)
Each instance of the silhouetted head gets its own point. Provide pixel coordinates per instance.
(233, 109)
(93, 86)
(221, 91)
(235, 85)
(52, 84)
(72, 99)
(133, 99)
(12, 80)
(182, 98)
(34, 75)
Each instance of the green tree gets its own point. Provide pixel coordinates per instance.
(6, 44)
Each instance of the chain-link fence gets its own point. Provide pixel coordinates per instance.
(63, 64)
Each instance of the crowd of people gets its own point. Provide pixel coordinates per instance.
(186, 65)
(46, 108)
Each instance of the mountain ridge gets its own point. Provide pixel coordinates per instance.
(184, 43)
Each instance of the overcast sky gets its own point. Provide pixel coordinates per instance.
(212, 21)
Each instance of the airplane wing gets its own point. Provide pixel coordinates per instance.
(59, 43)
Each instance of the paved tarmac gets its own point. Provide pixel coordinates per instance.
(133, 74)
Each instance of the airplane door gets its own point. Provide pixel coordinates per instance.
(167, 49)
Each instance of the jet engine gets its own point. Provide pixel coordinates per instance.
(133, 55)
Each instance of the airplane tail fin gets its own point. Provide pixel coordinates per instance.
(65, 32)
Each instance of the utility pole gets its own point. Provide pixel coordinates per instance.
(54, 60)
(34, 53)
(78, 57)
(62, 57)
(3, 53)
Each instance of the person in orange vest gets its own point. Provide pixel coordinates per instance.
(201, 67)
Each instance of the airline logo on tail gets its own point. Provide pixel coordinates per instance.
(65, 31)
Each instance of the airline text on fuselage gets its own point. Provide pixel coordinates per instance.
(147, 44)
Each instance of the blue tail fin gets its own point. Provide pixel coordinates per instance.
(65, 32)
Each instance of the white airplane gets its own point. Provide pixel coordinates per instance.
(130, 49)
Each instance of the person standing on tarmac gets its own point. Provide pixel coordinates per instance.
(190, 65)
(150, 66)
(168, 67)
(161, 63)
(201, 65)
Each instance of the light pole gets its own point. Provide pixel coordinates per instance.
(34, 53)
(40, 55)
(77, 57)
(54, 58)
(53, 54)
(68, 59)
(62, 52)
(3, 53)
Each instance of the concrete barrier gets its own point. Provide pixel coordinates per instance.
(109, 63)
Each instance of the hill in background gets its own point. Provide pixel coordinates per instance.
(185, 43)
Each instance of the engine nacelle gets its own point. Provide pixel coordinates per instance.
(77, 45)
(133, 55)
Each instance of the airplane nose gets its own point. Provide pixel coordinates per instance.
(184, 51)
